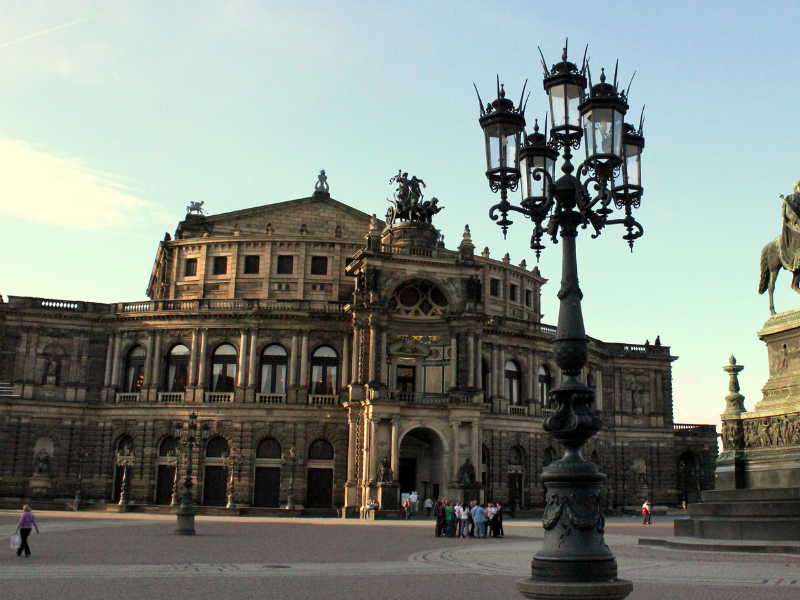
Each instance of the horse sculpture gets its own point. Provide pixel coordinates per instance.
(784, 251)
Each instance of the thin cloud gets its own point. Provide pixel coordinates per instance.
(38, 186)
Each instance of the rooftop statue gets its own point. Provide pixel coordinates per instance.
(784, 250)
(195, 208)
(322, 183)
(408, 204)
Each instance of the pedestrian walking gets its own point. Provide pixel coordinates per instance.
(414, 498)
(647, 513)
(429, 506)
(26, 521)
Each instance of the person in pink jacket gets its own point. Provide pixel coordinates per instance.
(26, 521)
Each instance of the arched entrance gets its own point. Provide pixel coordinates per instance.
(421, 463)
(689, 471)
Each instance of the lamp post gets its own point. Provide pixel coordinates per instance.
(186, 512)
(175, 456)
(79, 488)
(290, 457)
(574, 561)
(232, 460)
(125, 459)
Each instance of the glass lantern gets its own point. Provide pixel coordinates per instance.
(633, 144)
(603, 116)
(565, 86)
(502, 126)
(536, 156)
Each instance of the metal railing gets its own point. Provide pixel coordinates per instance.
(271, 398)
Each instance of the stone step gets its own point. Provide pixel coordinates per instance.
(751, 495)
(767, 508)
(744, 528)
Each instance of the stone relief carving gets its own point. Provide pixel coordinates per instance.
(580, 511)
(769, 432)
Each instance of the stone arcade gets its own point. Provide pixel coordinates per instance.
(310, 325)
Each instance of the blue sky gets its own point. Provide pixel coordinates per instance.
(114, 115)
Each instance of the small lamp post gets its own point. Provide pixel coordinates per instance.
(574, 561)
(185, 513)
(233, 459)
(125, 459)
(291, 458)
(79, 488)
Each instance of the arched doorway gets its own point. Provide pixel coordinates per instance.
(421, 463)
(319, 477)
(266, 491)
(215, 475)
(689, 477)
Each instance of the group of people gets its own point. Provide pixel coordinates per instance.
(455, 519)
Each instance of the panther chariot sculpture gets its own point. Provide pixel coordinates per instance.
(408, 203)
(784, 250)
(195, 208)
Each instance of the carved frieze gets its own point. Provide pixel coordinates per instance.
(770, 432)
(581, 511)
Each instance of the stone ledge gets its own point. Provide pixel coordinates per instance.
(753, 546)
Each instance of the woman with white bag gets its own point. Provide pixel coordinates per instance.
(26, 521)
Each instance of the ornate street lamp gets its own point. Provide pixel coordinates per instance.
(186, 512)
(125, 459)
(291, 457)
(175, 457)
(574, 560)
(233, 459)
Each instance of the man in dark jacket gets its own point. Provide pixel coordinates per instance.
(439, 512)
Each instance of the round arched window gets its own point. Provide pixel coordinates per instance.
(544, 384)
(134, 369)
(216, 447)
(324, 371)
(168, 446)
(177, 372)
(274, 361)
(268, 448)
(512, 382)
(320, 450)
(223, 368)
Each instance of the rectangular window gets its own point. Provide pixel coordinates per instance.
(317, 287)
(319, 265)
(513, 292)
(528, 297)
(285, 265)
(191, 267)
(220, 265)
(252, 264)
(283, 287)
(494, 287)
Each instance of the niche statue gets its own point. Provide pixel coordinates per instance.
(466, 473)
(42, 464)
(385, 473)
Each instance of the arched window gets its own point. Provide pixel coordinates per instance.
(515, 456)
(223, 368)
(134, 369)
(216, 447)
(487, 381)
(169, 446)
(177, 371)
(512, 382)
(324, 371)
(320, 450)
(544, 384)
(549, 457)
(273, 369)
(268, 448)
(418, 299)
(125, 444)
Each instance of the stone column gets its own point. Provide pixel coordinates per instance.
(241, 367)
(345, 359)
(155, 373)
(533, 370)
(202, 359)
(470, 360)
(292, 361)
(384, 364)
(598, 390)
(395, 449)
(304, 361)
(475, 444)
(117, 360)
(373, 461)
(454, 360)
(356, 374)
(193, 360)
(373, 352)
(501, 371)
(148, 360)
(109, 360)
(454, 452)
(252, 370)
(479, 363)
(352, 422)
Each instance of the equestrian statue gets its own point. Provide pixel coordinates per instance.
(784, 250)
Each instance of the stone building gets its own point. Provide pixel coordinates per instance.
(311, 327)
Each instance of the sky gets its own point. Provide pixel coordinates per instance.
(115, 115)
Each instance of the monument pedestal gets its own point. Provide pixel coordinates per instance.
(39, 485)
(389, 496)
(757, 495)
(472, 493)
